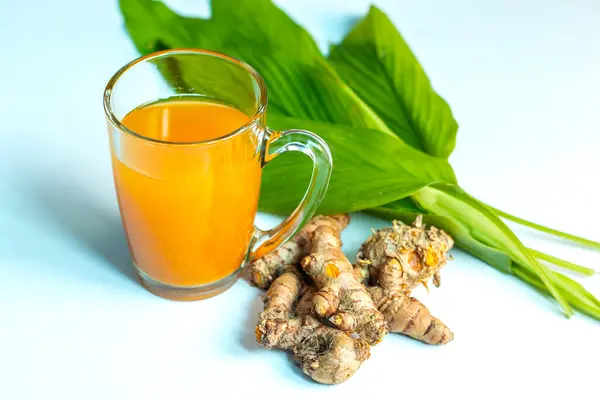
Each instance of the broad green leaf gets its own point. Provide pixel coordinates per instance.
(300, 81)
(371, 168)
(380, 67)
(451, 201)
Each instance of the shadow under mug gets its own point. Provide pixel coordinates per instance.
(181, 202)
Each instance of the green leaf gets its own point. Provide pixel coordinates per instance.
(371, 168)
(378, 64)
(486, 227)
(300, 81)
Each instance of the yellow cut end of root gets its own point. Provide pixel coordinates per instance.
(257, 279)
(432, 257)
(332, 271)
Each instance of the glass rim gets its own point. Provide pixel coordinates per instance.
(114, 120)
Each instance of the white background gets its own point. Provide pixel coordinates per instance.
(523, 79)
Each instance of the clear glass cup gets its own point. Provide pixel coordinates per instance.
(180, 201)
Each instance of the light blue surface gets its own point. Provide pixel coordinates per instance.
(523, 81)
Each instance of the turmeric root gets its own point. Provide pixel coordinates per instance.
(402, 256)
(390, 263)
(407, 315)
(326, 354)
(264, 270)
(396, 259)
(340, 296)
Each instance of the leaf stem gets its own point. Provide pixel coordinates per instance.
(563, 263)
(545, 229)
(576, 294)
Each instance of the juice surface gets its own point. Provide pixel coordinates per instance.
(184, 121)
(188, 210)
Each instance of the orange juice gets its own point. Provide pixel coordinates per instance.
(187, 208)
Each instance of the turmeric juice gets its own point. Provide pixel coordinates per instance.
(187, 207)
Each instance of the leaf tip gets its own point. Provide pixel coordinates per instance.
(373, 9)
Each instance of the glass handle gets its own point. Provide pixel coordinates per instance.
(318, 151)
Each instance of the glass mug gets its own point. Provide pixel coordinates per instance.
(188, 204)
